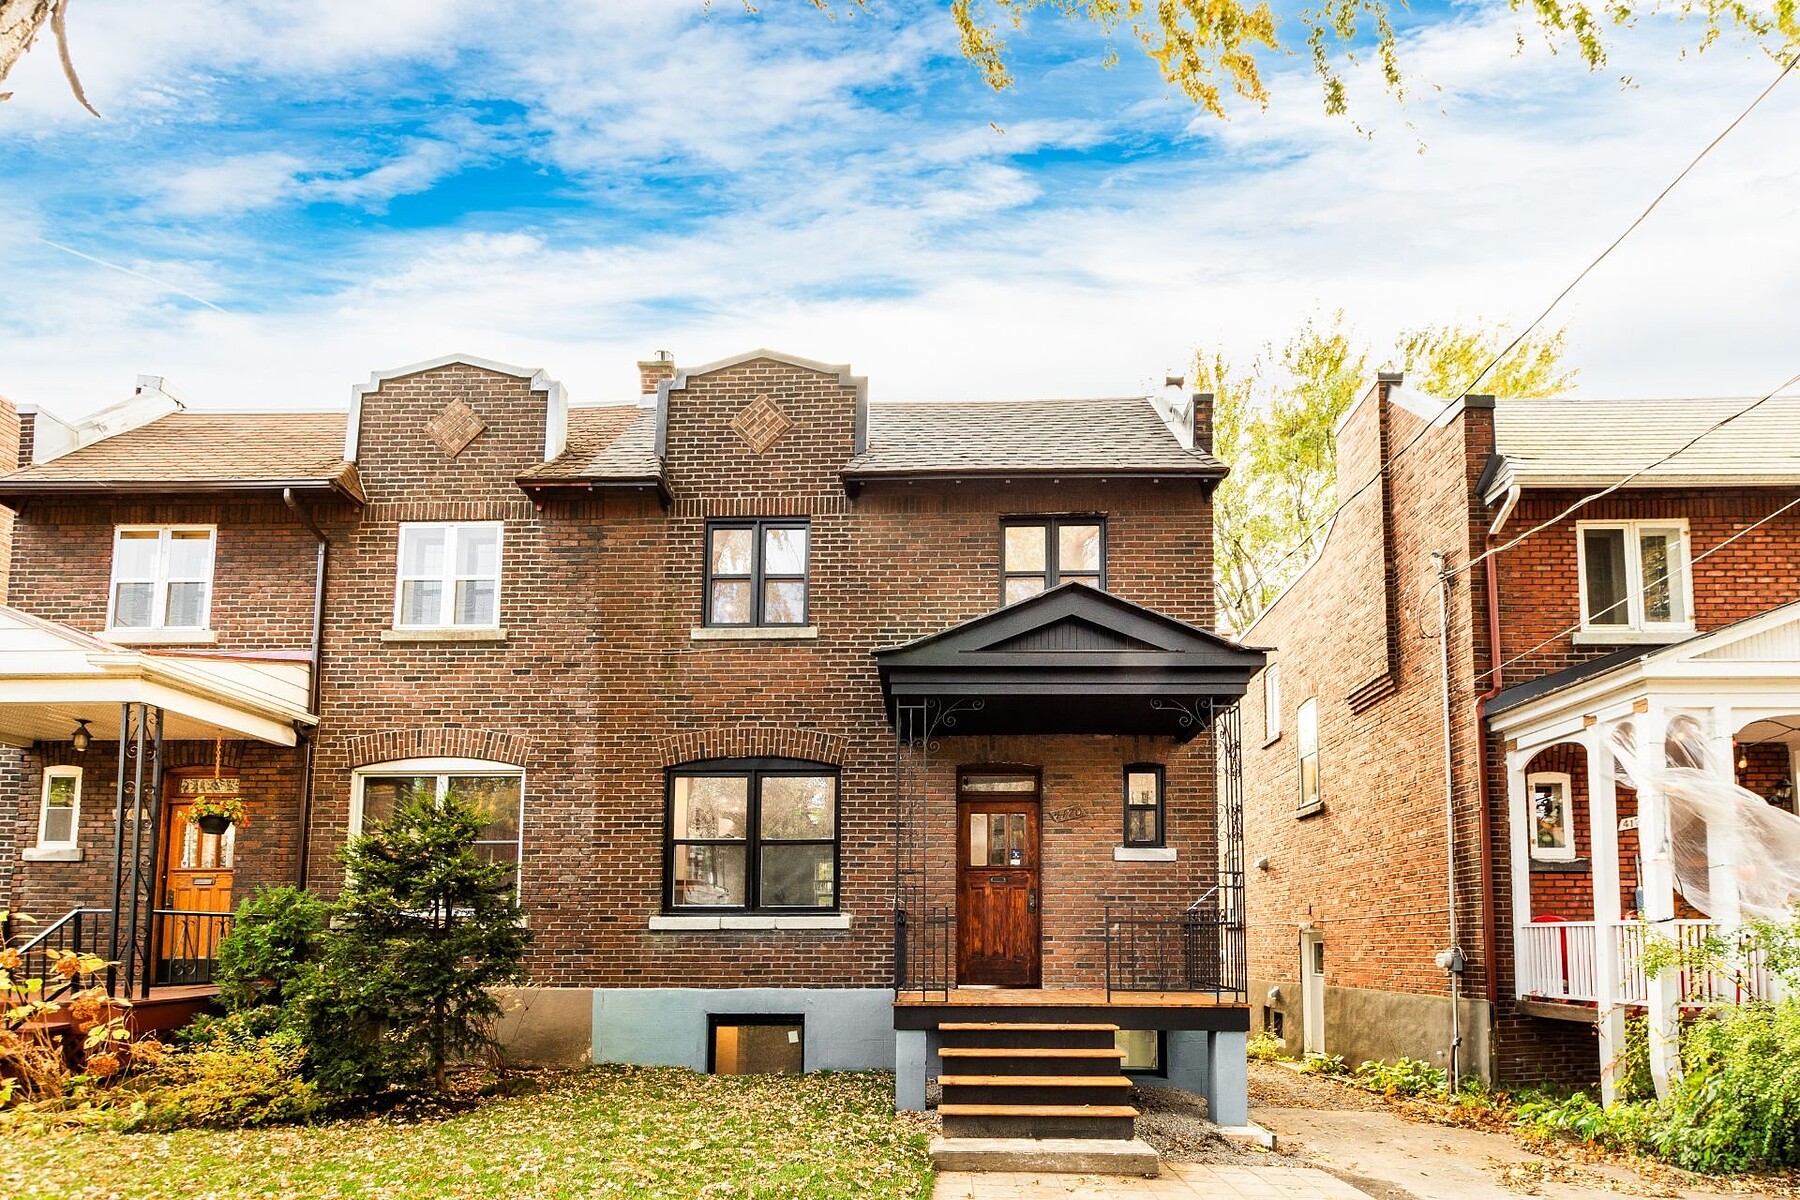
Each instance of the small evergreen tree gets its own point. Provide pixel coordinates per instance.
(425, 929)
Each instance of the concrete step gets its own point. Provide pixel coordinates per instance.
(1110, 1122)
(1067, 1156)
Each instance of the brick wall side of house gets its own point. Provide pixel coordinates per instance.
(1369, 871)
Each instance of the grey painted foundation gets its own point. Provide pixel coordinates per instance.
(847, 1029)
(1363, 1023)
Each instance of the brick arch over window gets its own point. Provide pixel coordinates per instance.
(391, 745)
(753, 741)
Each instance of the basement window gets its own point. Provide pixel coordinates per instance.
(755, 1044)
(1143, 1051)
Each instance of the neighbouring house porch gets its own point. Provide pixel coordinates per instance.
(1003, 883)
(1595, 866)
(143, 887)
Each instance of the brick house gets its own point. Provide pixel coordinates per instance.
(1430, 758)
(804, 719)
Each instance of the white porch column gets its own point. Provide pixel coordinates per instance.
(1518, 823)
(1603, 832)
(1650, 731)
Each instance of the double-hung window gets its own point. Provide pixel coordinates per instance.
(1552, 817)
(756, 572)
(1271, 702)
(1306, 737)
(752, 835)
(59, 820)
(449, 576)
(161, 577)
(495, 790)
(1144, 809)
(1634, 576)
(1038, 553)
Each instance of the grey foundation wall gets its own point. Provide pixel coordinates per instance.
(1362, 1023)
(847, 1029)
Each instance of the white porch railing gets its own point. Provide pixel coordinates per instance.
(1556, 961)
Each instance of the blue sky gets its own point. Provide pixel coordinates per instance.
(304, 193)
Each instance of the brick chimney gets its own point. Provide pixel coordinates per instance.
(652, 371)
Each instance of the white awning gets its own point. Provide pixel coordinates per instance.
(52, 677)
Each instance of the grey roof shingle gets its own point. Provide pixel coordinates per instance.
(1551, 442)
(200, 450)
(1123, 435)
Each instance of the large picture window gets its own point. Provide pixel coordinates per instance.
(449, 576)
(752, 834)
(1634, 575)
(756, 572)
(1040, 552)
(161, 577)
(495, 789)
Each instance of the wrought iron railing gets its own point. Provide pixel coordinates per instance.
(1199, 950)
(80, 930)
(187, 944)
(922, 951)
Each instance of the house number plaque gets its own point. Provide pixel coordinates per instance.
(1065, 815)
(202, 786)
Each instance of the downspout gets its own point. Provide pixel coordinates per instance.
(1451, 960)
(309, 738)
(1490, 950)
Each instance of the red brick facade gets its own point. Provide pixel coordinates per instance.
(595, 683)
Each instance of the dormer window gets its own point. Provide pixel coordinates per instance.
(161, 577)
(1634, 576)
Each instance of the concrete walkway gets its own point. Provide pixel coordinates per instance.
(1178, 1181)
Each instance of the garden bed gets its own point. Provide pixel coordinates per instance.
(605, 1131)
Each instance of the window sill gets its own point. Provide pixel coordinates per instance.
(1632, 637)
(1270, 741)
(713, 924)
(753, 633)
(1309, 810)
(52, 854)
(1143, 854)
(443, 635)
(162, 637)
(1551, 866)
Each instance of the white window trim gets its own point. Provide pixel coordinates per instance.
(1308, 706)
(1634, 570)
(160, 599)
(443, 768)
(1550, 854)
(74, 838)
(447, 599)
(1271, 703)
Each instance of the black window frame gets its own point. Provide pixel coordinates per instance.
(1161, 808)
(754, 770)
(1052, 572)
(757, 576)
(716, 1019)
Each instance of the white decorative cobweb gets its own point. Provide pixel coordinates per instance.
(1717, 830)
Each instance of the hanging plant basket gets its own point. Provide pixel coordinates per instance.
(214, 823)
(215, 814)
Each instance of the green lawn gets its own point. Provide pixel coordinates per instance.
(602, 1132)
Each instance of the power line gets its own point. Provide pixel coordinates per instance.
(1312, 533)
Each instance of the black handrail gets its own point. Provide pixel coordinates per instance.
(1200, 950)
(79, 931)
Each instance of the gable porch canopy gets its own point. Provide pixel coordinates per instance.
(52, 677)
(1071, 660)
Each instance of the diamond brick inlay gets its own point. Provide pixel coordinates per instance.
(761, 424)
(455, 427)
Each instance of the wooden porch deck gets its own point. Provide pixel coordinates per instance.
(1128, 1010)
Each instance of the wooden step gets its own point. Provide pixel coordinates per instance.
(1017, 1026)
(1113, 1122)
(1037, 1110)
(1032, 1060)
(1100, 1081)
(1030, 1052)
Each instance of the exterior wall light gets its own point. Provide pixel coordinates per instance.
(81, 738)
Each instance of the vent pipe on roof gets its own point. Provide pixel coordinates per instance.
(1176, 408)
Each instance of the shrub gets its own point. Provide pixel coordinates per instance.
(234, 1080)
(1737, 1106)
(1323, 1064)
(1265, 1047)
(275, 940)
(1620, 1127)
(425, 929)
(1404, 1077)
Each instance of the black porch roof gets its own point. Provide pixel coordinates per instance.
(1071, 660)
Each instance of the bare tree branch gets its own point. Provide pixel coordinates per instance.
(20, 23)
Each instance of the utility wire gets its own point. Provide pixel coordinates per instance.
(1469, 387)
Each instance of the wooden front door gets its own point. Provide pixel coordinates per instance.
(196, 879)
(997, 918)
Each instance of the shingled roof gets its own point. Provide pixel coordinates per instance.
(1123, 436)
(612, 444)
(193, 452)
(1550, 443)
